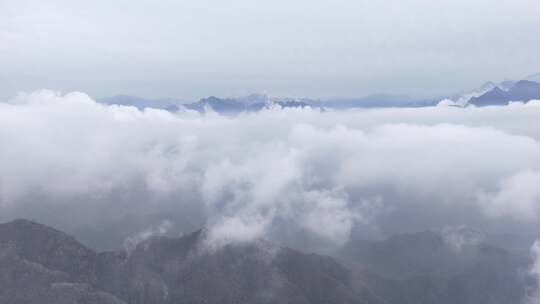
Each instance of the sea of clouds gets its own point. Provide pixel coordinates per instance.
(306, 177)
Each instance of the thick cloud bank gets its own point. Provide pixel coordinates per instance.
(294, 175)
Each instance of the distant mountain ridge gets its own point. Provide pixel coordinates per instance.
(257, 102)
(251, 103)
(523, 90)
(39, 264)
(490, 93)
(449, 266)
(375, 101)
(533, 77)
(429, 253)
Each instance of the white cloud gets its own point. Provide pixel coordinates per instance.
(449, 103)
(533, 103)
(158, 230)
(458, 238)
(237, 229)
(315, 173)
(518, 196)
(463, 99)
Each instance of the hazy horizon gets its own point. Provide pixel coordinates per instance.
(303, 48)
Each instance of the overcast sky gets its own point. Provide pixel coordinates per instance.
(297, 48)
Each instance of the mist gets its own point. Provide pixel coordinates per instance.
(302, 177)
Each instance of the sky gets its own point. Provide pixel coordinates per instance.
(315, 48)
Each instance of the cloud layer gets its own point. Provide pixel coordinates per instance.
(295, 175)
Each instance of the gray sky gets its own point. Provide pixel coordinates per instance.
(307, 48)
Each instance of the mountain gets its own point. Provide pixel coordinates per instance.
(39, 264)
(450, 266)
(293, 104)
(227, 106)
(495, 96)
(533, 77)
(256, 102)
(50, 248)
(490, 93)
(523, 90)
(220, 105)
(506, 84)
(168, 270)
(461, 99)
(432, 253)
(251, 103)
(254, 98)
(373, 101)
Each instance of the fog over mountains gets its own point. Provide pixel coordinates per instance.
(39, 264)
(288, 203)
(268, 152)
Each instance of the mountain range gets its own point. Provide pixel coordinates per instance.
(257, 102)
(250, 103)
(39, 264)
(523, 90)
(488, 94)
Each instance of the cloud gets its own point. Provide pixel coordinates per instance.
(292, 175)
(449, 103)
(158, 230)
(533, 103)
(518, 196)
(463, 99)
(458, 238)
(237, 229)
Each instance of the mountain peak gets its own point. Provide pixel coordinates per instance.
(495, 96)
(23, 222)
(49, 247)
(488, 85)
(27, 227)
(495, 90)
